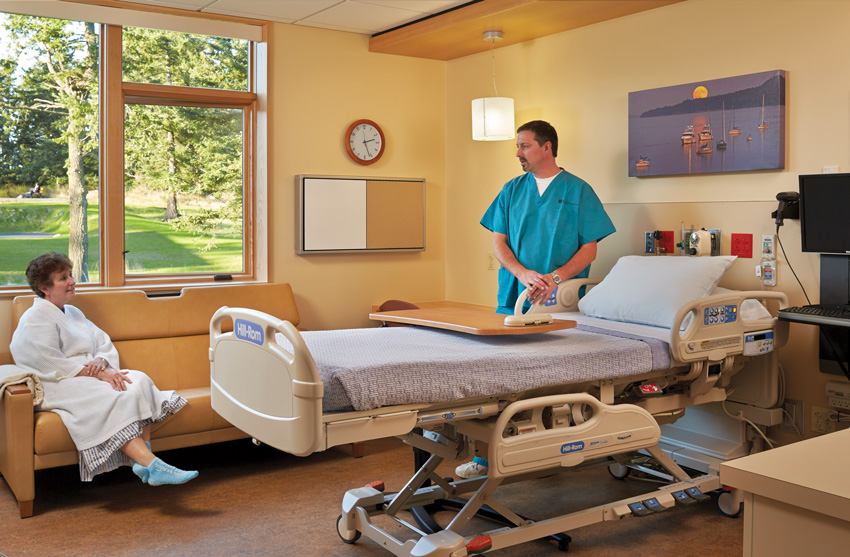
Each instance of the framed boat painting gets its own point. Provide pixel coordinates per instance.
(732, 124)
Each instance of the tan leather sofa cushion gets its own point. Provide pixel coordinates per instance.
(50, 435)
(122, 314)
(190, 313)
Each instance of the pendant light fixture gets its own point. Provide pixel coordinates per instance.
(493, 117)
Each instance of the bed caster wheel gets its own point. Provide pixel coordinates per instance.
(348, 536)
(618, 471)
(729, 504)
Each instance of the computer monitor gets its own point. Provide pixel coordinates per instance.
(825, 229)
(825, 213)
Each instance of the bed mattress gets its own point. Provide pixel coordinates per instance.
(364, 369)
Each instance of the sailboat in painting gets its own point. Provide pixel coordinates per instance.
(734, 130)
(722, 143)
(763, 125)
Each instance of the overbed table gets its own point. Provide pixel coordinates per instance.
(464, 318)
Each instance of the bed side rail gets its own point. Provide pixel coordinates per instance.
(718, 330)
(566, 297)
(255, 384)
(609, 429)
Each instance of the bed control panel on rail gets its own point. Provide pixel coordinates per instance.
(716, 315)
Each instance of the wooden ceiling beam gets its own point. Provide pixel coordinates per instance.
(460, 32)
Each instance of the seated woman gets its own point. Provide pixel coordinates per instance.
(108, 411)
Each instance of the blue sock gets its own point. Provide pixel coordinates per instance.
(481, 461)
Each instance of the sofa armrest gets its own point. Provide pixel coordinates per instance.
(16, 445)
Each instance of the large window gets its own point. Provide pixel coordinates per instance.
(130, 149)
(182, 189)
(49, 171)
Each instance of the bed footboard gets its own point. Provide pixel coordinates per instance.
(271, 394)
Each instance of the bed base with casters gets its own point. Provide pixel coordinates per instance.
(590, 430)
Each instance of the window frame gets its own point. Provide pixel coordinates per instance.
(114, 94)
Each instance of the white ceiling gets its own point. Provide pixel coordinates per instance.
(358, 16)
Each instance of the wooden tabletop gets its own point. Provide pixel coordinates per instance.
(471, 320)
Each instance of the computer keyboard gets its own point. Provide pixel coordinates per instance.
(822, 314)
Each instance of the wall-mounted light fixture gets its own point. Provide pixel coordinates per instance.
(493, 117)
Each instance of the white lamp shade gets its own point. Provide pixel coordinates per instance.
(493, 119)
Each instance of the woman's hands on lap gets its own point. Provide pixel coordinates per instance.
(99, 369)
(94, 367)
(118, 380)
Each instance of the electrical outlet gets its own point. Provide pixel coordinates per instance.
(792, 417)
(648, 243)
(838, 394)
(492, 264)
(820, 420)
(742, 245)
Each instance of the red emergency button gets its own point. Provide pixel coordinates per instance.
(379, 485)
(479, 545)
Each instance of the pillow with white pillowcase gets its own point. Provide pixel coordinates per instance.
(650, 289)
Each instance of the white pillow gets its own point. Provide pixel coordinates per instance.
(651, 289)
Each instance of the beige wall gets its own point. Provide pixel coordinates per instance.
(580, 80)
(321, 82)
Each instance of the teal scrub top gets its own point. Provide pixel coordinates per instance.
(544, 232)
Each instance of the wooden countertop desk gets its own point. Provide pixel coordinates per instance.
(797, 497)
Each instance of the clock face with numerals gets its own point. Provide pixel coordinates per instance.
(364, 142)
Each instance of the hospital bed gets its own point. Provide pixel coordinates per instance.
(532, 404)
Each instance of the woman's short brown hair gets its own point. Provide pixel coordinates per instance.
(42, 268)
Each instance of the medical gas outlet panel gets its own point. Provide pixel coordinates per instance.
(766, 269)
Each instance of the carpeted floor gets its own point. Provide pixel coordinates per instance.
(257, 501)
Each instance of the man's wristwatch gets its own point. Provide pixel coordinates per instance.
(556, 278)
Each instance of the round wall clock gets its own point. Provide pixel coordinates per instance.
(364, 142)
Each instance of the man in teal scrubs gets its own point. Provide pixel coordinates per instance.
(545, 225)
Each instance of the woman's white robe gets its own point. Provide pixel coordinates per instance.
(56, 345)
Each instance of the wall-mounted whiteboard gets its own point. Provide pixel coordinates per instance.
(354, 214)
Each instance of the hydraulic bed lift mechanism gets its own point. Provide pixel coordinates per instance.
(529, 438)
